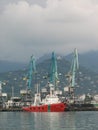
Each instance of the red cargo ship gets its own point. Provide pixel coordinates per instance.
(51, 103)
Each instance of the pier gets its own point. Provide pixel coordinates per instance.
(11, 110)
(71, 107)
(82, 107)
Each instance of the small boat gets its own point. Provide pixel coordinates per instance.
(51, 103)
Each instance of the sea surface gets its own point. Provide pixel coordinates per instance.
(87, 120)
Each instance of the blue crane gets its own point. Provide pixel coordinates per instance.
(72, 73)
(53, 71)
(32, 71)
(74, 67)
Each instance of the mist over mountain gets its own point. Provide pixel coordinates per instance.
(88, 60)
(6, 66)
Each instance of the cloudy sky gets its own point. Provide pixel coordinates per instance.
(41, 26)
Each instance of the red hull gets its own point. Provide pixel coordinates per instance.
(58, 107)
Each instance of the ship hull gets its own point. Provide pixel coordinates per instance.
(57, 107)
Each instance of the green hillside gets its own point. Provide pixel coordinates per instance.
(87, 80)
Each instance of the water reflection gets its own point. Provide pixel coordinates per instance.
(37, 121)
(55, 121)
(49, 121)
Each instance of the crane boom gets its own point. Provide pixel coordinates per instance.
(74, 67)
(54, 73)
(32, 70)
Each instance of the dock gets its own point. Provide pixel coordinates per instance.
(82, 107)
(11, 110)
(71, 107)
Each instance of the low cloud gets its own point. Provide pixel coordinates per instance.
(61, 25)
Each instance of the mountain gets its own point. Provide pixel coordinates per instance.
(6, 66)
(88, 60)
(86, 79)
(47, 56)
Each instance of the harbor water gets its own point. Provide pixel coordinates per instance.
(84, 120)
